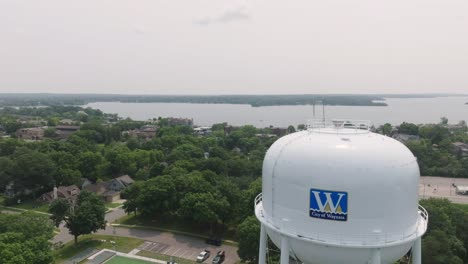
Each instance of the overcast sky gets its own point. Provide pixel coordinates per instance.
(234, 47)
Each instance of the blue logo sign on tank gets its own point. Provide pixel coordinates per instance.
(330, 205)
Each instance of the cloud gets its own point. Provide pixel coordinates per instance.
(238, 13)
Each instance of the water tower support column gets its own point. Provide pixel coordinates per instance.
(376, 256)
(284, 251)
(417, 251)
(262, 248)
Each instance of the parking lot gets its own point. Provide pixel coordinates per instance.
(440, 187)
(186, 252)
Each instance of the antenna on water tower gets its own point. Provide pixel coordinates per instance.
(323, 112)
(313, 104)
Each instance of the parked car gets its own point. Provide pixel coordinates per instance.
(214, 241)
(219, 257)
(203, 255)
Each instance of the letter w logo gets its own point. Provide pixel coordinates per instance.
(328, 201)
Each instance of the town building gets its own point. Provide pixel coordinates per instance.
(202, 131)
(64, 131)
(174, 121)
(34, 133)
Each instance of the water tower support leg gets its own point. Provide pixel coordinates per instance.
(376, 256)
(262, 249)
(284, 251)
(417, 252)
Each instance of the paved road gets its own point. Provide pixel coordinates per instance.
(442, 187)
(181, 245)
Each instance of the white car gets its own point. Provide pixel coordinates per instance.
(203, 255)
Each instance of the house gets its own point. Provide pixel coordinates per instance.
(34, 133)
(173, 121)
(279, 131)
(70, 193)
(68, 122)
(202, 131)
(460, 148)
(64, 131)
(146, 132)
(110, 190)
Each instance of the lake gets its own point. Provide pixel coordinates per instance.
(415, 110)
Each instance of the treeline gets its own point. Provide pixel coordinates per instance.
(434, 148)
(253, 100)
(12, 119)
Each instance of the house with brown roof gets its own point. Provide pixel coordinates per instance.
(64, 131)
(146, 132)
(33, 133)
(110, 190)
(70, 193)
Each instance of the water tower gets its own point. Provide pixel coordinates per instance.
(338, 193)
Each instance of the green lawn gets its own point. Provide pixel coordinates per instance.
(175, 225)
(33, 205)
(113, 205)
(122, 244)
(123, 260)
(154, 255)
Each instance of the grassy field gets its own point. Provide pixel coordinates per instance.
(123, 260)
(175, 225)
(154, 255)
(122, 244)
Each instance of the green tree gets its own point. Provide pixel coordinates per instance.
(444, 120)
(408, 128)
(291, 129)
(33, 170)
(157, 196)
(89, 164)
(59, 210)
(204, 208)
(248, 233)
(445, 239)
(131, 194)
(49, 132)
(386, 129)
(86, 216)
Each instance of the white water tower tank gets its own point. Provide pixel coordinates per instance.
(338, 193)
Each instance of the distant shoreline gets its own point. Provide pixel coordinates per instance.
(40, 99)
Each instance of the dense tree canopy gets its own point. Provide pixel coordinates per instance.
(446, 240)
(24, 239)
